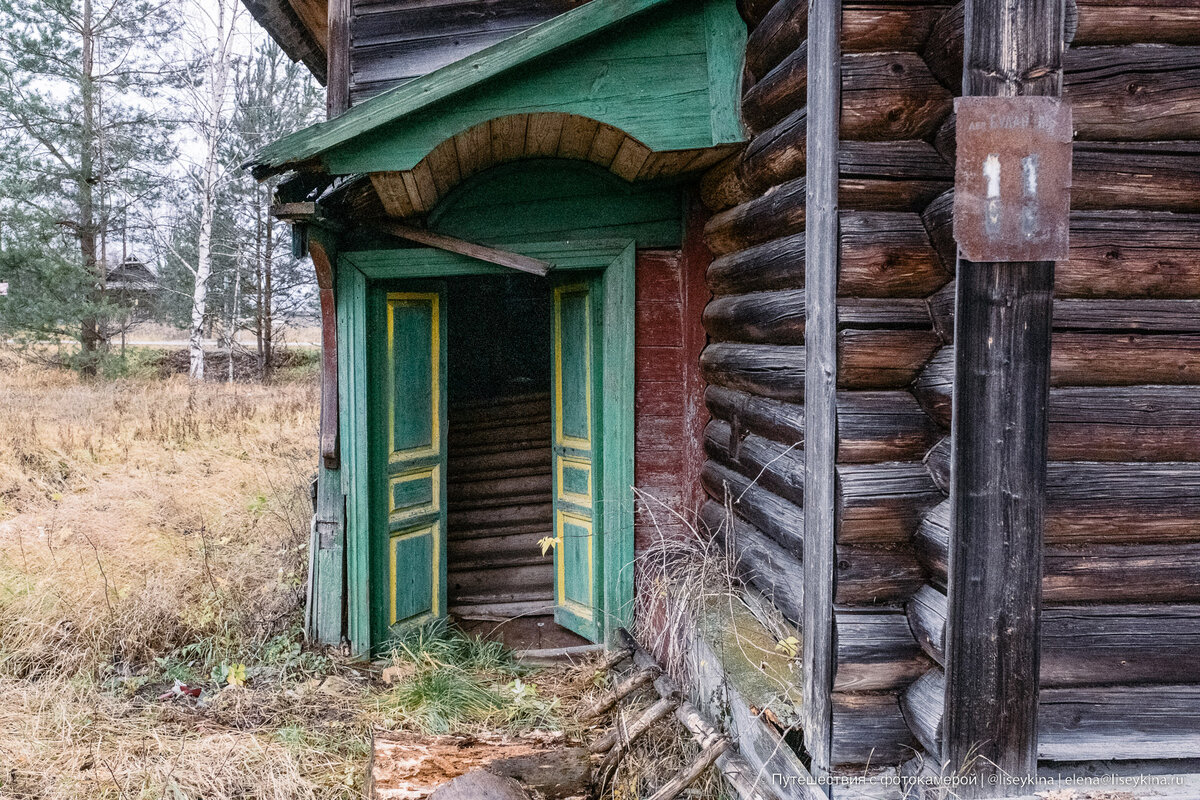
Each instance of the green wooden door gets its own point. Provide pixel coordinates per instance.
(414, 430)
(577, 437)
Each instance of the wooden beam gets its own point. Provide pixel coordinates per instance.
(999, 429)
(323, 257)
(492, 255)
(820, 378)
(337, 53)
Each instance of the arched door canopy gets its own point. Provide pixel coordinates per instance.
(644, 88)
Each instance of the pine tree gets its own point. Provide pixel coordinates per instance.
(78, 87)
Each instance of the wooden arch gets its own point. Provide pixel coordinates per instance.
(547, 134)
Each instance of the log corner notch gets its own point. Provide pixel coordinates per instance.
(324, 253)
(999, 430)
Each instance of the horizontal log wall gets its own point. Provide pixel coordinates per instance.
(1121, 581)
(1124, 423)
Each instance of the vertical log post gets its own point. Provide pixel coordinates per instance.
(998, 482)
(820, 377)
(337, 59)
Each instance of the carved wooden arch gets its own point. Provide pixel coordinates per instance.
(546, 134)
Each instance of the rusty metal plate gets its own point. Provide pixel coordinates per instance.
(1012, 180)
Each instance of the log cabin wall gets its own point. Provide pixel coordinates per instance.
(892, 106)
(1121, 579)
(393, 41)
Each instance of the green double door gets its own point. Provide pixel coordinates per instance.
(410, 555)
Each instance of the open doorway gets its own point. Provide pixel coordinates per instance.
(499, 461)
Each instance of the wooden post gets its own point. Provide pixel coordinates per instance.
(327, 583)
(998, 480)
(820, 377)
(337, 55)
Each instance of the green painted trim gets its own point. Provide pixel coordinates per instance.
(617, 444)
(726, 34)
(420, 262)
(352, 394)
(361, 284)
(540, 40)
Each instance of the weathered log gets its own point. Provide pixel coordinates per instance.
(1133, 315)
(876, 651)
(876, 576)
(1084, 723)
(706, 758)
(777, 93)
(1155, 176)
(520, 431)
(778, 317)
(934, 386)
(926, 612)
(885, 96)
(773, 157)
(883, 254)
(642, 677)
(1131, 254)
(1102, 573)
(1085, 359)
(1123, 644)
(867, 360)
(888, 176)
(882, 359)
(869, 728)
(771, 568)
(1139, 92)
(500, 487)
(1114, 176)
(498, 517)
(943, 50)
(937, 462)
(1141, 423)
(872, 426)
(1134, 21)
(780, 33)
(875, 503)
(777, 518)
(874, 28)
(1117, 254)
(931, 543)
(1118, 502)
(1119, 722)
(777, 212)
(891, 176)
(922, 706)
(753, 11)
(556, 774)
(466, 466)
(622, 736)
(777, 467)
(890, 97)
(882, 503)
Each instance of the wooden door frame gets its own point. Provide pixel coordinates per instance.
(364, 275)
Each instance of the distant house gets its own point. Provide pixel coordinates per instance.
(130, 281)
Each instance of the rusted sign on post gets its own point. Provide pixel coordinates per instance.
(1012, 182)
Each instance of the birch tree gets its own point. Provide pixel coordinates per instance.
(212, 33)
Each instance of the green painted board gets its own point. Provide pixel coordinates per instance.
(561, 199)
(413, 386)
(663, 71)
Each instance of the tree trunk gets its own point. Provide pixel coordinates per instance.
(212, 133)
(89, 335)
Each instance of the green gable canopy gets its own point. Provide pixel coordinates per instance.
(644, 88)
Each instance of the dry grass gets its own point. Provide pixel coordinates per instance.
(151, 531)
